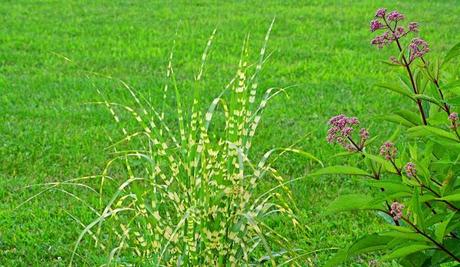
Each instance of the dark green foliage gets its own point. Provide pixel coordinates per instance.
(416, 177)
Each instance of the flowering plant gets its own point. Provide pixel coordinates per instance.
(416, 172)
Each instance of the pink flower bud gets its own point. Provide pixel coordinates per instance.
(388, 150)
(413, 27)
(411, 171)
(364, 134)
(396, 210)
(380, 12)
(418, 48)
(395, 16)
(453, 117)
(341, 130)
(375, 25)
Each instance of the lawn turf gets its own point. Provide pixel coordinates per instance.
(50, 52)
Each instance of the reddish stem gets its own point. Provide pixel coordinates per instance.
(406, 64)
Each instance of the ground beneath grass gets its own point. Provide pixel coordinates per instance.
(54, 55)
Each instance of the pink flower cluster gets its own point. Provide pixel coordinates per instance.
(341, 129)
(411, 171)
(375, 25)
(395, 16)
(388, 22)
(418, 48)
(381, 40)
(363, 134)
(453, 117)
(413, 27)
(396, 210)
(388, 150)
(380, 13)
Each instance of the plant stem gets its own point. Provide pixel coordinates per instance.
(414, 87)
(406, 64)
(436, 194)
(354, 144)
(377, 177)
(441, 95)
(439, 245)
(436, 182)
(436, 83)
(396, 167)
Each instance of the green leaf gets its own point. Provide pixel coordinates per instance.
(366, 244)
(453, 52)
(405, 236)
(441, 256)
(413, 117)
(429, 99)
(343, 154)
(352, 202)
(413, 151)
(385, 163)
(402, 229)
(427, 196)
(369, 243)
(455, 101)
(440, 230)
(341, 170)
(397, 89)
(448, 184)
(337, 259)
(416, 209)
(409, 181)
(417, 259)
(452, 197)
(438, 117)
(303, 153)
(407, 250)
(428, 131)
(398, 120)
(451, 85)
(449, 144)
(389, 186)
(371, 140)
(395, 134)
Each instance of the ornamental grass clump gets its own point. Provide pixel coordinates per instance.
(187, 193)
(416, 171)
(192, 198)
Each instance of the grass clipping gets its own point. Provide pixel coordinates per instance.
(192, 196)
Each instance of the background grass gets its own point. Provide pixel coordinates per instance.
(48, 132)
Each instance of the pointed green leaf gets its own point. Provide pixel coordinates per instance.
(407, 250)
(406, 236)
(429, 99)
(398, 120)
(428, 130)
(453, 52)
(369, 243)
(451, 85)
(440, 230)
(416, 209)
(366, 244)
(385, 163)
(452, 197)
(352, 202)
(341, 170)
(337, 259)
(397, 89)
(390, 186)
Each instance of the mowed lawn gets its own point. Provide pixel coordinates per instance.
(54, 55)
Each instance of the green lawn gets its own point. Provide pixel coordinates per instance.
(49, 131)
